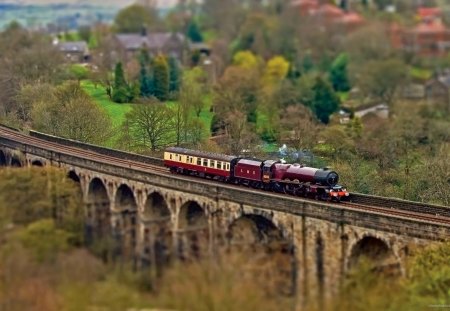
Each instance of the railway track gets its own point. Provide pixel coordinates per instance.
(426, 216)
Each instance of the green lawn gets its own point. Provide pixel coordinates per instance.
(115, 111)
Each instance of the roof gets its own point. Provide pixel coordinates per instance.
(430, 27)
(351, 18)
(201, 154)
(330, 11)
(250, 162)
(73, 46)
(136, 41)
(428, 12)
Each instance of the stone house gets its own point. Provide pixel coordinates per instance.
(170, 44)
(74, 51)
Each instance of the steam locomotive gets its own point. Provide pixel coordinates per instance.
(270, 175)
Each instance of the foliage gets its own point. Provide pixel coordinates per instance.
(381, 79)
(246, 60)
(122, 92)
(193, 32)
(174, 75)
(161, 78)
(133, 18)
(70, 112)
(149, 124)
(338, 74)
(78, 72)
(43, 194)
(276, 70)
(325, 100)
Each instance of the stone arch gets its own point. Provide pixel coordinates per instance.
(156, 207)
(98, 216)
(193, 231)
(253, 229)
(3, 161)
(377, 253)
(15, 162)
(72, 175)
(258, 239)
(125, 199)
(157, 232)
(125, 222)
(37, 163)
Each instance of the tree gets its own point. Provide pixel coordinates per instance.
(299, 127)
(43, 194)
(145, 79)
(380, 79)
(325, 100)
(85, 33)
(339, 75)
(26, 58)
(193, 32)
(121, 91)
(174, 75)
(190, 100)
(276, 70)
(161, 78)
(150, 124)
(133, 18)
(69, 112)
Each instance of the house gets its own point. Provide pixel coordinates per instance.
(170, 44)
(429, 38)
(74, 51)
(328, 14)
(437, 91)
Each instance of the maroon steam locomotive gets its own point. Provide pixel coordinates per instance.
(269, 175)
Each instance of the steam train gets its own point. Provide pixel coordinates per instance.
(269, 175)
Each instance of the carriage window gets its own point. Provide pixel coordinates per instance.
(170, 156)
(187, 159)
(205, 162)
(212, 163)
(219, 165)
(199, 161)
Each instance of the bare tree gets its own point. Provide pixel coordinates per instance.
(150, 124)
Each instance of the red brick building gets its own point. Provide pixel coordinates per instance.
(329, 14)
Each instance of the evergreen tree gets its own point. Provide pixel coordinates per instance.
(193, 32)
(119, 76)
(121, 91)
(339, 75)
(325, 100)
(145, 82)
(161, 78)
(174, 74)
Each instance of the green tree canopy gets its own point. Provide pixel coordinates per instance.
(193, 32)
(161, 78)
(70, 112)
(325, 100)
(338, 73)
(135, 18)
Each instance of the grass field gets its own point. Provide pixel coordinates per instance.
(117, 111)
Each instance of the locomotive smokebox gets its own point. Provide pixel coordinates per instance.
(326, 177)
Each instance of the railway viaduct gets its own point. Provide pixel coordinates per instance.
(154, 216)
